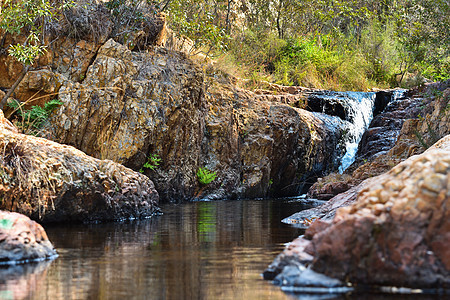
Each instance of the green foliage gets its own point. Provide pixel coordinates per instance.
(433, 135)
(31, 120)
(198, 21)
(28, 17)
(313, 61)
(379, 47)
(205, 176)
(438, 71)
(339, 45)
(421, 140)
(152, 163)
(422, 30)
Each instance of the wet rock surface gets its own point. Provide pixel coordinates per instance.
(331, 103)
(395, 234)
(386, 124)
(22, 240)
(325, 211)
(408, 125)
(50, 182)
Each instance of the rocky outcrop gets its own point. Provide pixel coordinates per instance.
(395, 234)
(385, 127)
(133, 105)
(277, 147)
(73, 40)
(425, 118)
(126, 106)
(50, 182)
(22, 240)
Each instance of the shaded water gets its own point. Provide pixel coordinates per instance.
(200, 250)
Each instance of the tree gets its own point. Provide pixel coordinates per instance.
(27, 18)
(423, 31)
(199, 20)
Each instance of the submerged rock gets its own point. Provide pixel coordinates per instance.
(54, 183)
(20, 281)
(22, 240)
(395, 234)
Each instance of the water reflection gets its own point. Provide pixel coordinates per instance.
(202, 250)
(21, 281)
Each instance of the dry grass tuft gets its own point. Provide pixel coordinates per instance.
(331, 178)
(25, 174)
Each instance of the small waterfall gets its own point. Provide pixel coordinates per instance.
(360, 115)
(354, 109)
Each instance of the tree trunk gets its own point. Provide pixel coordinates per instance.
(228, 26)
(14, 86)
(280, 31)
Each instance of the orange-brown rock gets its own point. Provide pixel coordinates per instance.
(132, 105)
(328, 190)
(22, 240)
(125, 106)
(51, 182)
(397, 232)
(72, 42)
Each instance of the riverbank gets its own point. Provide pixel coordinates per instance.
(389, 229)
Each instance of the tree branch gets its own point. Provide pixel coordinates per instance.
(14, 86)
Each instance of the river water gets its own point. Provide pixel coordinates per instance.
(198, 250)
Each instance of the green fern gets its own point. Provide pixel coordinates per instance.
(152, 163)
(35, 117)
(205, 176)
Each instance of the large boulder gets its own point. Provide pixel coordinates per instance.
(264, 146)
(22, 240)
(51, 182)
(396, 233)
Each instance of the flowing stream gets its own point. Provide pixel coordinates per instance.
(350, 112)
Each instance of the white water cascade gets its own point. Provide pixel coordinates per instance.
(360, 114)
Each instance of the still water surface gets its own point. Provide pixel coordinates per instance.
(199, 250)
